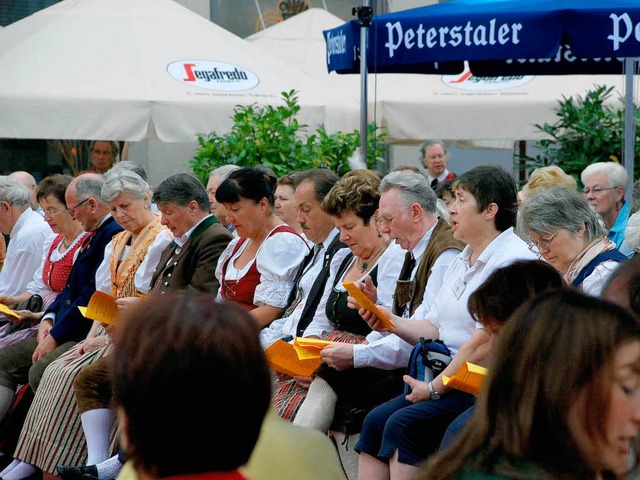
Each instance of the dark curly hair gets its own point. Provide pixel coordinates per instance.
(353, 194)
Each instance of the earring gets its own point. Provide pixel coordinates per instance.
(379, 234)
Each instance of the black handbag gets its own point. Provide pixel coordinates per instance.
(33, 304)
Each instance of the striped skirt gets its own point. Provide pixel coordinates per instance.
(52, 433)
(288, 396)
(24, 333)
(16, 336)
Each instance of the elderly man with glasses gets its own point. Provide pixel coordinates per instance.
(62, 325)
(407, 213)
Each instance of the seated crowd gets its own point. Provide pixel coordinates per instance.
(512, 281)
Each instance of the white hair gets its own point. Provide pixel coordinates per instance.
(223, 172)
(14, 192)
(615, 172)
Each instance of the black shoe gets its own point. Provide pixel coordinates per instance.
(5, 460)
(75, 473)
(88, 476)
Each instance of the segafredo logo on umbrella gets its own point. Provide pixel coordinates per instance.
(467, 81)
(213, 75)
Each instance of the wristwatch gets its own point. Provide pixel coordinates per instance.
(433, 395)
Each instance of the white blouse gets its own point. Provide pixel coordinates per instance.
(594, 283)
(278, 259)
(145, 271)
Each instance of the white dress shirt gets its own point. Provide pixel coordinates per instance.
(24, 252)
(449, 311)
(287, 326)
(388, 351)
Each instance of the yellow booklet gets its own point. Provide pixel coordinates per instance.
(366, 303)
(468, 378)
(284, 359)
(8, 312)
(102, 307)
(308, 348)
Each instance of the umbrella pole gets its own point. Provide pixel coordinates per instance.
(629, 125)
(365, 13)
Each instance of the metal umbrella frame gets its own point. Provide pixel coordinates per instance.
(500, 37)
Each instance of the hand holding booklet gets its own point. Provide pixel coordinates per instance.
(283, 358)
(102, 307)
(4, 310)
(468, 378)
(298, 359)
(366, 303)
(307, 348)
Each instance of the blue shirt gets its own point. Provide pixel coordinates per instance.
(616, 234)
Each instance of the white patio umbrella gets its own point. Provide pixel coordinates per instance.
(412, 107)
(134, 69)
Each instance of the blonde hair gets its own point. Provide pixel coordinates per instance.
(547, 177)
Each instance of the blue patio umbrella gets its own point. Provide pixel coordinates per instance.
(499, 37)
(493, 30)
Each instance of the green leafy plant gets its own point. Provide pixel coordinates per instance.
(587, 131)
(272, 136)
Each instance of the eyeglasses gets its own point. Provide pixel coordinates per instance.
(597, 190)
(72, 210)
(387, 220)
(543, 243)
(50, 212)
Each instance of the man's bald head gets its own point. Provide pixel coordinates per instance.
(26, 179)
